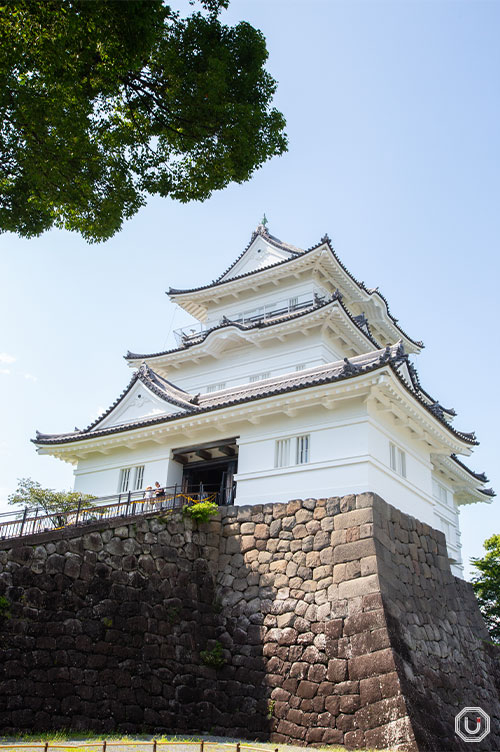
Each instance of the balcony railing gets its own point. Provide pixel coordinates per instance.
(131, 504)
(273, 310)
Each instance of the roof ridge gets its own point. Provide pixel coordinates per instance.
(348, 368)
(325, 240)
(262, 231)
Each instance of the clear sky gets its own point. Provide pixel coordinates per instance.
(393, 119)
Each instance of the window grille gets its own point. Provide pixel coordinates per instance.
(444, 526)
(139, 477)
(259, 376)
(293, 303)
(300, 367)
(296, 447)
(125, 484)
(402, 463)
(398, 460)
(216, 387)
(124, 480)
(302, 449)
(282, 453)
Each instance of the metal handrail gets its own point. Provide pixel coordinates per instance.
(130, 504)
(279, 308)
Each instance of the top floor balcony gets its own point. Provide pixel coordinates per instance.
(197, 331)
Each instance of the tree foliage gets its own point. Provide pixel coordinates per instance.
(105, 102)
(30, 494)
(486, 585)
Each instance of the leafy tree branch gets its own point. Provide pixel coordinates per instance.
(486, 585)
(103, 103)
(30, 495)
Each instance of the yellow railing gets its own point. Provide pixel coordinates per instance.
(153, 745)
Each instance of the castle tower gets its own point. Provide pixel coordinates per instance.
(293, 381)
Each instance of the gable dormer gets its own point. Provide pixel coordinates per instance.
(139, 404)
(148, 395)
(263, 250)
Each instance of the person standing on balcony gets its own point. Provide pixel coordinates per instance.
(159, 494)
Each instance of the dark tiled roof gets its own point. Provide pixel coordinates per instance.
(363, 327)
(324, 240)
(325, 374)
(487, 492)
(155, 383)
(478, 476)
(481, 477)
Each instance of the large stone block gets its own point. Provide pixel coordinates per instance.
(360, 586)
(356, 550)
(372, 664)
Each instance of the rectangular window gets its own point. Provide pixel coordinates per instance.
(402, 463)
(302, 449)
(282, 453)
(124, 480)
(292, 451)
(444, 526)
(259, 377)
(138, 477)
(442, 493)
(293, 303)
(398, 460)
(131, 479)
(216, 387)
(300, 367)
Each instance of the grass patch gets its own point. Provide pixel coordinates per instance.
(75, 737)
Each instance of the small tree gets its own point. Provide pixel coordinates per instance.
(31, 495)
(486, 585)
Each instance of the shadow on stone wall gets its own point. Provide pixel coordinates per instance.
(338, 619)
(108, 629)
(444, 654)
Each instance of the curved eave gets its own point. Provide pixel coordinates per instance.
(466, 489)
(145, 375)
(461, 440)
(481, 477)
(135, 359)
(193, 300)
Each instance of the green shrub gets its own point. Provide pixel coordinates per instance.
(173, 614)
(201, 511)
(213, 658)
(4, 608)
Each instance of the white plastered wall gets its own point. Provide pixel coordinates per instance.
(338, 462)
(415, 494)
(235, 368)
(270, 295)
(99, 474)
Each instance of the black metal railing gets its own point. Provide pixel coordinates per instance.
(199, 331)
(130, 504)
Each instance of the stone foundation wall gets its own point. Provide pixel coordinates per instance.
(333, 621)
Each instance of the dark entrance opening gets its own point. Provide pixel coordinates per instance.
(209, 470)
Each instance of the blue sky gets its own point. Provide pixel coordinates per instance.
(393, 120)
